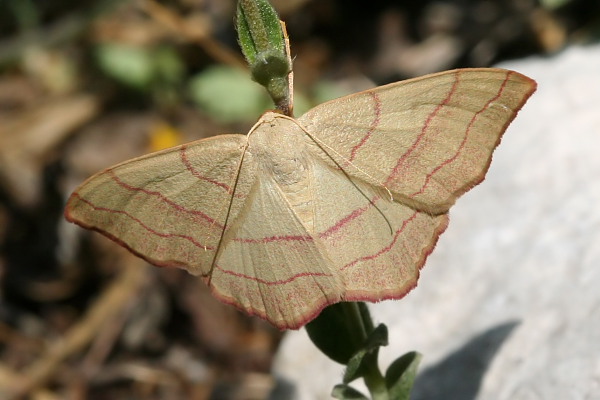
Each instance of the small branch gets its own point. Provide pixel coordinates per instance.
(111, 302)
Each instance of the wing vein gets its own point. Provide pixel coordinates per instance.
(142, 224)
(385, 249)
(197, 174)
(175, 205)
(374, 124)
(268, 282)
(464, 140)
(424, 129)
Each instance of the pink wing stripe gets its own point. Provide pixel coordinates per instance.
(270, 239)
(374, 124)
(423, 130)
(464, 141)
(385, 249)
(266, 282)
(324, 235)
(348, 218)
(163, 198)
(317, 274)
(197, 174)
(146, 227)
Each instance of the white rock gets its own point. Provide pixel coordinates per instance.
(522, 247)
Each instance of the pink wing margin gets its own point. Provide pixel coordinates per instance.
(167, 207)
(429, 139)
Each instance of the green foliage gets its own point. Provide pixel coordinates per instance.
(263, 43)
(139, 67)
(127, 64)
(25, 12)
(326, 90)
(399, 379)
(400, 375)
(357, 366)
(345, 333)
(345, 392)
(320, 92)
(554, 4)
(227, 94)
(334, 332)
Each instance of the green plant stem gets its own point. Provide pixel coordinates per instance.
(374, 379)
(361, 325)
(358, 326)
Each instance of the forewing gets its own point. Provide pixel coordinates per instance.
(428, 140)
(168, 207)
(270, 265)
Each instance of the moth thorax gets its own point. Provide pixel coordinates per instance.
(280, 149)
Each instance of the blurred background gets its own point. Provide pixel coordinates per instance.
(84, 85)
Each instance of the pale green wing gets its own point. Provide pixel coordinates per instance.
(168, 207)
(270, 265)
(428, 140)
(377, 245)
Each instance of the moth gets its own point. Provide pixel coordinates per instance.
(344, 203)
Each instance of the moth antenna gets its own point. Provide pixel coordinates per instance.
(229, 205)
(389, 193)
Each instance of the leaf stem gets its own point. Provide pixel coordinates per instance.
(359, 320)
(357, 326)
(374, 379)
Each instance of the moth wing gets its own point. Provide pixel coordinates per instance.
(429, 139)
(377, 245)
(168, 207)
(270, 265)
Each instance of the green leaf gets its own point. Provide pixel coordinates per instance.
(554, 4)
(400, 375)
(167, 65)
(261, 38)
(340, 330)
(325, 90)
(140, 67)
(262, 41)
(367, 354)
(130, 65)
(227, 94)
(345, 392)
